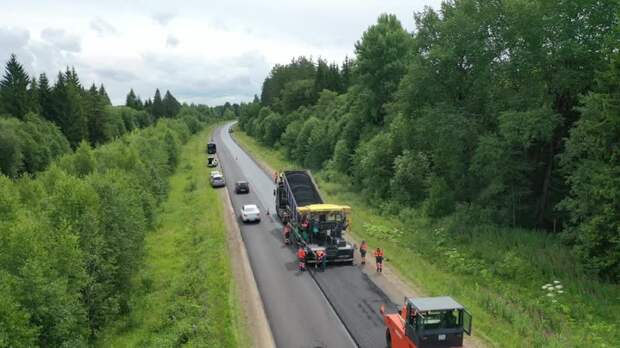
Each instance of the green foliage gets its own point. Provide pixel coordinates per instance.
(440, 200)
(29, 145)
(381, 63)
(592, 165)
(73, 236)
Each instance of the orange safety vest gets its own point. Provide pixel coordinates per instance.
(301, 254)
(379, 253)
(364, 246)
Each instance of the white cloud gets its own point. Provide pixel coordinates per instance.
(203, 51)
(172, 41)
(163, 18)
(61, 39)
(102, 27)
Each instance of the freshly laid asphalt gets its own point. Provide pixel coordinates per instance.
(335, 308)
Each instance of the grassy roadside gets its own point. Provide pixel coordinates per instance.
(184, 293)
(484, 270)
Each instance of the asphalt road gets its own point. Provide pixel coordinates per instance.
(337, 308)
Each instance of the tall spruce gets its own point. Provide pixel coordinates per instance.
(133, 101)
(94, 107)
(102, 92)
(14, 98)
(157, 109)
(171, 105)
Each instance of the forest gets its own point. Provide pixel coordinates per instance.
(498, 112)
(81, 185)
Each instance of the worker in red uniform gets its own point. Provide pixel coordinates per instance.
(363, 251)
(301, 256)
(379, 259)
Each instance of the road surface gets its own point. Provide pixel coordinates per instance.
(338, 308)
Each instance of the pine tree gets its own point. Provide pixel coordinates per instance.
(104, 95)
(132, 101)
(68, 111)
(34, 104)
(94, 105)
(14, 89)
(45, 98)
(345, 73)
(171, 105)
(157, 109)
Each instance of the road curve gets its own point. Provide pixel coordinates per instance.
(338, 308)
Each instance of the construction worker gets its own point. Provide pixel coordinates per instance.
(379, 259)
(287, 233)
(324, 262)
(275, 177)
(363, 251)
(320, 259)
(301, 256)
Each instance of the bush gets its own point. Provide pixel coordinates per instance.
(440, 200)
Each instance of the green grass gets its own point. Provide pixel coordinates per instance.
(496, 272)
(184, 293)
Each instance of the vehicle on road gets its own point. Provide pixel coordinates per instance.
(214, 173)
(211, 148)
(217, 180)
(427, 322)
(316, 226)
(212, 162)
(250, 213)
(242, 187)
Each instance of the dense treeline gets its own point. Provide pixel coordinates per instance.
(72, 237)
(40, 121)
(500, 111)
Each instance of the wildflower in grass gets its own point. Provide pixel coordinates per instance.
(556, 282)
(550, 294)
(560, 291)
(558, 287)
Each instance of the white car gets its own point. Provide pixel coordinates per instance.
(215, 173)
(250, 213)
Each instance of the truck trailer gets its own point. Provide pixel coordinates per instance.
(315, 225)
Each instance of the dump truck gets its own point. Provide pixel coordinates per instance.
(315, 225)
(427, 322)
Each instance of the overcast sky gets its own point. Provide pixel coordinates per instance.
(203, 51)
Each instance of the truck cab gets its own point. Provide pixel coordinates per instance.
(427, 322)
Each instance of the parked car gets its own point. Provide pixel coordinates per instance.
(211, 148)
(218, 180)
(250, 213)
(214, 173)
(242, 187)
(211, 162)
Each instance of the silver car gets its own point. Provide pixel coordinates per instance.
(217, 180)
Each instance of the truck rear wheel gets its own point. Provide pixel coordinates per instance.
(388, 338)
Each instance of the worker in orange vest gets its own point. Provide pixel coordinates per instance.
(301, 256)
(379, 259)
(363, 251)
